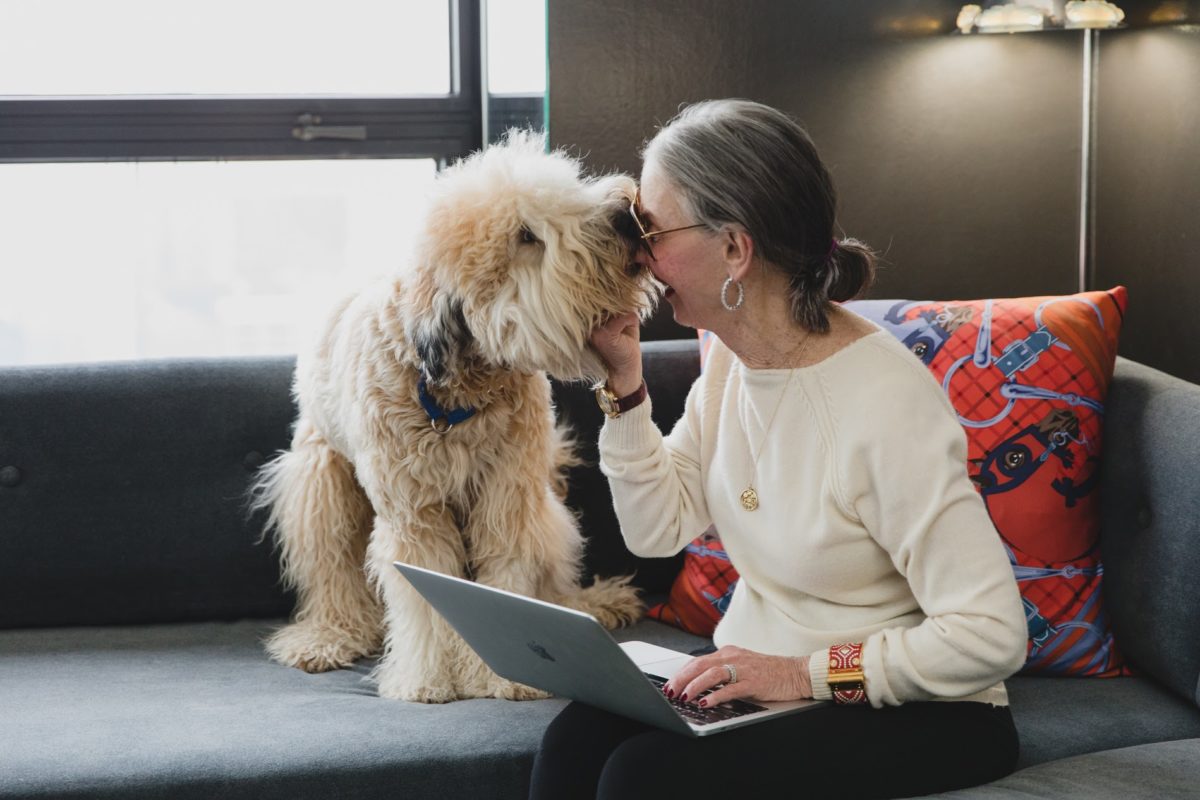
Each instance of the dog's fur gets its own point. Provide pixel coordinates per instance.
(521, 256)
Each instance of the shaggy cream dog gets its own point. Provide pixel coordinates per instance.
(520, 257)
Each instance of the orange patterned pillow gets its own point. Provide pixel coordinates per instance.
(1028, 378)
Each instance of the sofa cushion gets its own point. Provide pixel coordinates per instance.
(1162, 771)
(197, 711)
(126, 498)
(1028, 378)
(1058, 717)
(1151, 523)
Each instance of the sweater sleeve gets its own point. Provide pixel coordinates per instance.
(902, 472)
(655, 481)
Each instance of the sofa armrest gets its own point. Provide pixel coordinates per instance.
(1150, 523)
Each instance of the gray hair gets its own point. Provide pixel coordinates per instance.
(741, 162)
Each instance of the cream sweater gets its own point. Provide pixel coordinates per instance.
(868, 528)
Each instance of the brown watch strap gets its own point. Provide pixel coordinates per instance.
(632, 400)
(614, 406)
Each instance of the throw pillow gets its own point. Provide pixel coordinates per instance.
(1028, 379)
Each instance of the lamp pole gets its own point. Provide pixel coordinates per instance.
(1087, 188)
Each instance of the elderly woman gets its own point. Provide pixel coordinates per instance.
(835, 471)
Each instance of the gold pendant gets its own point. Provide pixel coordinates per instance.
(749, 499)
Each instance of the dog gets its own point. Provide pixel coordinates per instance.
(426, 432)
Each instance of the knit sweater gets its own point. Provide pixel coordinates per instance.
(868, 529)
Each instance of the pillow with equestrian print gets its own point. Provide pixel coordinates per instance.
(1028, 379)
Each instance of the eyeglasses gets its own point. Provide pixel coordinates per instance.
(647, 236)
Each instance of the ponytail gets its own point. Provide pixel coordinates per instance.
(844, 273)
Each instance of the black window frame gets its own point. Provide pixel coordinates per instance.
(200, 127)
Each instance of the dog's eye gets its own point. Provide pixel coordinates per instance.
(527, 236)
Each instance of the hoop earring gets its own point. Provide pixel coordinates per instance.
(741, 298)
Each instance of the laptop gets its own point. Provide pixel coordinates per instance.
(569, 653)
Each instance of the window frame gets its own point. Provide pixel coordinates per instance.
(205, 127)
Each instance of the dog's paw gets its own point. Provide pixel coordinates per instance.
(509, 690)
(314, 648)
(400, 688)
(612, 601)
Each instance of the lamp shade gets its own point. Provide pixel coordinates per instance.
(1037, 15)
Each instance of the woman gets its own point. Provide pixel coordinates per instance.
(834, 470)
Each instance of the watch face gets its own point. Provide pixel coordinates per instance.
(606, 401)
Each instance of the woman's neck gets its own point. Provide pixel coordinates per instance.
(763, 334)
(784, 348)
(770, 343)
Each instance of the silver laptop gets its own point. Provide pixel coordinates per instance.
(569, 653)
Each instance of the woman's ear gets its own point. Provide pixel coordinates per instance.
(739, 253)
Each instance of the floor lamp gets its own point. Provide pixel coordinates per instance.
(1090, 16)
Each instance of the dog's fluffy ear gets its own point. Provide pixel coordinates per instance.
(441, 337)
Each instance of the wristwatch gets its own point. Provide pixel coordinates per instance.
(614, 406)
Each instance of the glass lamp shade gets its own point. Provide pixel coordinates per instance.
(1011, 18)
(1093, 14)
(1036, 15)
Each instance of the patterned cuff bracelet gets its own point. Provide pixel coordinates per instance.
(846, 680)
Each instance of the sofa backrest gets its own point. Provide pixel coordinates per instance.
(123, 487)
(670, 367)
(122, 491)
(1150, 528)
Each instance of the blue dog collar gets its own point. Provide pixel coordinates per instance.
(441, 419)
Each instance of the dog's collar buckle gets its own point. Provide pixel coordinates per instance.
(440, 419)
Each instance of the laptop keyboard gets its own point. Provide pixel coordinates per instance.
(706, 716)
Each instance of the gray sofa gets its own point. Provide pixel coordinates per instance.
(134, 595)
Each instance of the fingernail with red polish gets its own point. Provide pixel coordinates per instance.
(704, 703)
(683, 697)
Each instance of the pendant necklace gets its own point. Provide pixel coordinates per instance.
(749, 496)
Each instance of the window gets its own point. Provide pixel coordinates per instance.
(200, 258)
(516, 65)
(224, 47)
(194, 181)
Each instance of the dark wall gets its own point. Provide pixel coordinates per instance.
(619, 69)
(1148, 192)
(957, 157)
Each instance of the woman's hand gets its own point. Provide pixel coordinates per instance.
(618, 342)
(759, 677)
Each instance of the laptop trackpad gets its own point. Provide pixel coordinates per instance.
(654, 659)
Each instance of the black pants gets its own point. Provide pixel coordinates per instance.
(831, 751)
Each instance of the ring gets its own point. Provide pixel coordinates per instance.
(732, 670)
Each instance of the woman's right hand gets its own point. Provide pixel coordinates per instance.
(618, 342)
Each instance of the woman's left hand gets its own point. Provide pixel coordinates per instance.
(759, 677)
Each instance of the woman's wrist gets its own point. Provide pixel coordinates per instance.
(803, 678)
